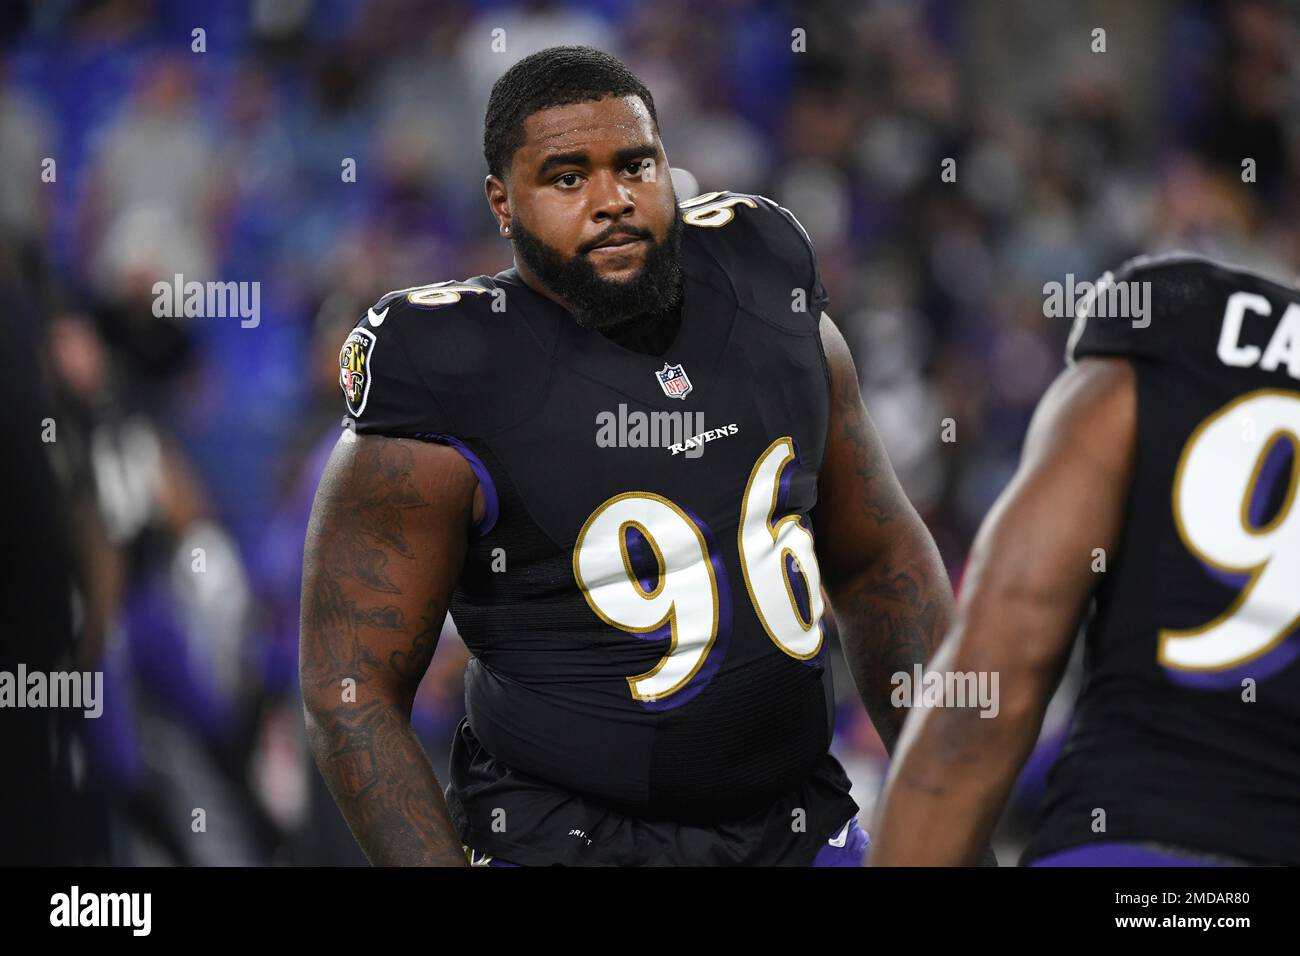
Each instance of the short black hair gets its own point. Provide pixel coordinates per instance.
(556, 76)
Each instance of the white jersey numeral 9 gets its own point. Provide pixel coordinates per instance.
(1214, 486)
(685, 597)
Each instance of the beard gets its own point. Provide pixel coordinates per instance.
(598, 303)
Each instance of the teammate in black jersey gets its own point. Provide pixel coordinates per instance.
(609, 463)
(1159, 478)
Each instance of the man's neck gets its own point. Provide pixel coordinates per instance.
(530, 279)
(651, 333)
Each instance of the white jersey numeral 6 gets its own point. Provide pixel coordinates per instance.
(764, 548)
(685, 597)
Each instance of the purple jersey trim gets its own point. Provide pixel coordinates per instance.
(1114, 853)
(856, 843)
(491, 507)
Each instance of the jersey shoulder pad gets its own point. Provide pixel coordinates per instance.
(464, 293)
(1148, 307)
(1165, 308)
(764, 249)
(419, 361)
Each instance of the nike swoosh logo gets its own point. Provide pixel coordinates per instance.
(377, 318)
(840, 838)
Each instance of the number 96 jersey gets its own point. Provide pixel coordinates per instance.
(1187, 731)
(641, 598)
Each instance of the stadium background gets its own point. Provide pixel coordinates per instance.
(226, 165)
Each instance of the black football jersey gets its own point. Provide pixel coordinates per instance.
(1187, 729)
(641, 600)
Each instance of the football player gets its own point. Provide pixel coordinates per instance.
(609, 462)
(1158, 485)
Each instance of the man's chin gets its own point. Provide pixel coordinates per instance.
(605, 289)
(614, 297)
(620, 278)
(615, 281)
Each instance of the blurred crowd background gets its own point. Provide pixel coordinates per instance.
(183, 434)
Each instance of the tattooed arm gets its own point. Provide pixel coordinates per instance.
(882, 572)
(387, 538)
(1029, 578)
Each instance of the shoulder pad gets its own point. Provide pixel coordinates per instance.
(441, 358)
(764, 248)
(1181, 297)
(439, 294)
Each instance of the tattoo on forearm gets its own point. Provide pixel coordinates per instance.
(892, 618)
(382, 781)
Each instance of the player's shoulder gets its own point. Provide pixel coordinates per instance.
(1184, 265)
(413, 328)
(437, 306)
(765, 252)
(437, 346)
(1160, 306)
(747, 218)
(1181, 279)
(441, 319)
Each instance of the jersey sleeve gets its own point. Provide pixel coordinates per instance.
(383, 391)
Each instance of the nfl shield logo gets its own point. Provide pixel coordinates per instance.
(673, 380)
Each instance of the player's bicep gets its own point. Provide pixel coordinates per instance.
(388, 534)
(1041, 550)
(861, 507)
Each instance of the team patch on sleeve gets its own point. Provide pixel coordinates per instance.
(354, 369)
